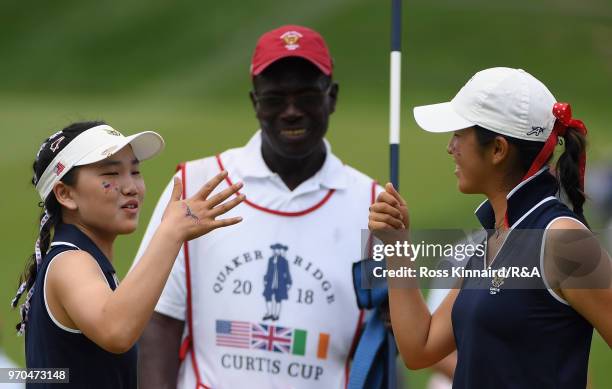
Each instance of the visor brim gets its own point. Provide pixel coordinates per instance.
(145, 145)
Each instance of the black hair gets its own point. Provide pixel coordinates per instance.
(51, 207)
(567, 167)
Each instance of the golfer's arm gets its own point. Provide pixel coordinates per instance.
(589, 294)
(114, 320)
(447, 365)
(158, 352)
(422, 339)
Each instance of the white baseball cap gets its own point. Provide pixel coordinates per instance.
(93, 145)
(504, 100)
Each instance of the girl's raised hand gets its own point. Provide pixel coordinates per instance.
(196, 216)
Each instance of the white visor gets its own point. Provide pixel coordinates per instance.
(94, 145)
(440, 118)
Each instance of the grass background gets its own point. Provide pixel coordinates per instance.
(182, 68)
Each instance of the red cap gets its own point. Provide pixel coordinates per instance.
(291, 41)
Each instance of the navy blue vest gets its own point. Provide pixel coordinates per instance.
(519, 338)
(48, 345)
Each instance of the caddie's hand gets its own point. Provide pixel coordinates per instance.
(197, 215)
(389, 215)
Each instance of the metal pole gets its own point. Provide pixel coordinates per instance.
(395, 91)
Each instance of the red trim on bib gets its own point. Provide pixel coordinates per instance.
(188, 343)
(274, 211)
(185, 346)
(373, 192)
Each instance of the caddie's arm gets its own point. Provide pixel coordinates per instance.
(158, 353)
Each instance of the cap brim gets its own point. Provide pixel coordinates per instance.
(259, 69)
(440, 118)
(145, 145)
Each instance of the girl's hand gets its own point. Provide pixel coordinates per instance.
(389, 215)
(196, 216)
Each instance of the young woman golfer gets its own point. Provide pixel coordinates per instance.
(76, 315)
(505, 126)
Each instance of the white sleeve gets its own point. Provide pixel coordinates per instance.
(172, 301)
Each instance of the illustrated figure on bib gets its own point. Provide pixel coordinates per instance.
(277, 282)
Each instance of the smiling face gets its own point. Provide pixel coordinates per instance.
(472, 168)
(108, 195)
(293, 100)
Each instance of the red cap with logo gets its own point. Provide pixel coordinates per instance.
(291, 41)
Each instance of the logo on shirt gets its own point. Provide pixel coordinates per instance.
(236, 279)
(267, 281)
(496, 283)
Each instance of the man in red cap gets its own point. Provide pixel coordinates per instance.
(218, 323)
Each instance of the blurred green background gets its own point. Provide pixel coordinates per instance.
(181, 68)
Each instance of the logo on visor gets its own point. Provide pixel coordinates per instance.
(108, 152)
(113, 132)
(291, 39)
(537, 131)
(59, 168)
(56, 143)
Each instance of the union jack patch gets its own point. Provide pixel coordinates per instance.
(271, 338)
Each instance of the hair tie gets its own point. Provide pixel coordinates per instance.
(563, 114)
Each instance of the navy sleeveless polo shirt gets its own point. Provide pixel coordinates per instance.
(49, 346)
(519, 338)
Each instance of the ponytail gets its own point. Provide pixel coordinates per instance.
(568, 170)
(28, 278)
(51, 214)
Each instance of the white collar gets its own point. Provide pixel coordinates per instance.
(332, 174)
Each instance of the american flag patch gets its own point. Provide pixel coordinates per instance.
(59, 168)
(233, 333)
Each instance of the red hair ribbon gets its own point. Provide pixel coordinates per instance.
(563, 113)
